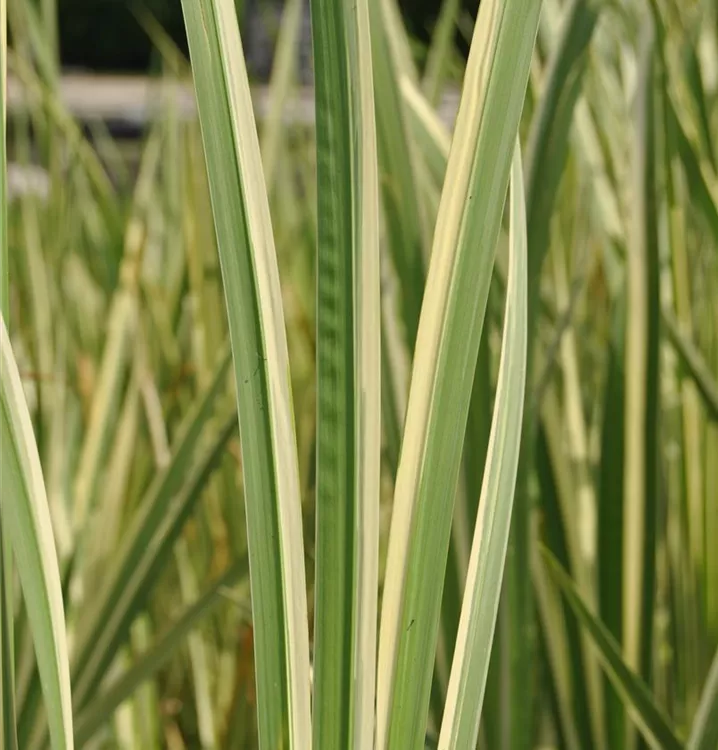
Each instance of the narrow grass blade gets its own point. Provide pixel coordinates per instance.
(460, 727)
(259, 347)
(559, 530)
(682, 293)
(8, 711)
(8, 735)
(426, 127)
(696, 86)
(144, 730)
(433, 141)
(394, 379)
(447, 347)
(557, 640)
(478, 430)
(348, 378)
(100, 708)
(198, 653)
(610, 509)
(441, 50)
(549, 137)
(280, 85)
(694, 365)
(701, 179)
(398, 163)
(634, 693)
(641, 469)
(107, 522)
(29, 529)
(398, 39)
(476, 443)
(704, 732)
(578, 507)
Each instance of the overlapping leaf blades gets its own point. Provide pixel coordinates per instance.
(27, 520)
(447, 346)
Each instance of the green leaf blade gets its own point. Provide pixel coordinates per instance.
(642, 389)
(704, 732)
(25, 512)
(460, 725)
(694, 365)
(348, 378)
(447, 347)
(259, 348)
(398, 161)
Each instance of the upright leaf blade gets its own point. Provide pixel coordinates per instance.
(27, 519)
(641, 469)
(259, 347)
(398, 162)
(348, 378)
(460, 727)
(704, 733)
(8, 712)
(610, 509)
(8, 734)
(441, 49)
(447, 346)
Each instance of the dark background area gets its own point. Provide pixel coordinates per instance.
(105, 36)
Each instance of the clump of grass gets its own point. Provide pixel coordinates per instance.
(442, 401)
